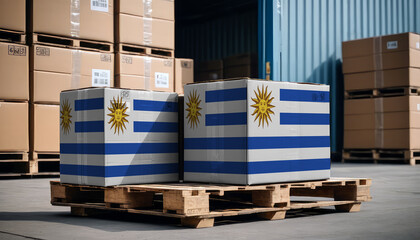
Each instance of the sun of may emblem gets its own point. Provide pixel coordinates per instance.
(193, 109)
(118, 115)
(262, 106)
(65, 116)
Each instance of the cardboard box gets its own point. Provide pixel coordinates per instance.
(256, 132)
(184, 73)
(151, 32)
(382, 113)
(392, 60)
(118, 136)
(94, 21)
(244, 65)
(145, 72)
(13, 15)
(56, 69)
(382, 139)
(45, 127)
(14, 127)
(382, 44)
(14, 72)
(401, 77)
(209, 70)
(162, 9)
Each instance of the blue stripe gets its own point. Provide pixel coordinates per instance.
(305, 118)
(288, 142)
(257, 167)
(224, 95)
(215, 143)
(155, 126)
(88, 104)
(89, 126)
(157, 106)
(304, 95)
(257, 142)
(117, 148)
(226, 119)
(118, 171)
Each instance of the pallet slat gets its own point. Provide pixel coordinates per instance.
(381, 155)
(193, 203)
(60, 41)
(382, 92)
(145, 50)
(12, 36)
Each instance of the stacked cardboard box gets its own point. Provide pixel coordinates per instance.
(61, 31)
(381, 80)
(244, 65)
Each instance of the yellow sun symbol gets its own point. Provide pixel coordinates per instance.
(262, 106)
(193, 109)
(65, 116)
(118, 115)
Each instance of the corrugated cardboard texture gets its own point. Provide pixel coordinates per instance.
(401, 77)
(160, 33)
(184, 73)
(392, 139)
(14, 126)
(14, 72)
(13, 15)
(45, 128)
(134, 70)
(57, 69)
(54, 17)
(162, 9)
(359, 47)
(400, 42)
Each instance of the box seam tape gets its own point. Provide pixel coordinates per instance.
(75, 18)
(147, 22)
(379, 122)
(76, 68)
(147, 72)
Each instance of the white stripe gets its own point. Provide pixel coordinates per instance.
(119, 160)
(277, 130)
(301, 107)
(226, 107)
(152, 116)
(100, 181)
(215, 131)
(288, 177)
(215, 178)
(258, 155)
(126, 137)
(216, 155)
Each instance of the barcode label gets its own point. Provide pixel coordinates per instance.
(101, 78)
(17, 50)
(99, 5)
(417, 44)
(392, 45)
(161, 80)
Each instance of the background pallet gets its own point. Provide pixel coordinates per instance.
(144, 50)
(381, 155)
(12, 36)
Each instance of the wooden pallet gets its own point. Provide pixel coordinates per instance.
(60, 41)
(144, 50)
(14, 156)
(383, 92)
(197, 205)
(12, 36)
(15, 164)
(381, 155)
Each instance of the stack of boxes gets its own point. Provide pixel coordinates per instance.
(68, 50)
(381, 81)
(14, 87)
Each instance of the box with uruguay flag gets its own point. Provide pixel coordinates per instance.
(117, 136)
(256, 132)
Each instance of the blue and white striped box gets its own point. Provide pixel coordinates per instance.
(256, 132)
(117, 136)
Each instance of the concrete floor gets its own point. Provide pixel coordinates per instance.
(394, 213)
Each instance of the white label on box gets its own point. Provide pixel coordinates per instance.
(392, 45)
(417, 44)
(99, 5)
(161, 80)
(101, 78)
(418, 107)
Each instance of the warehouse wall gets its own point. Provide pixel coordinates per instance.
(224, 30)
(305, 45)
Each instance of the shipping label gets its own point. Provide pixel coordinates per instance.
(106, 57)
(99, 5)
(17, 50)
(392, 45)
(101, 78)
(161, 80)
(42, 51)
(127, 60)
